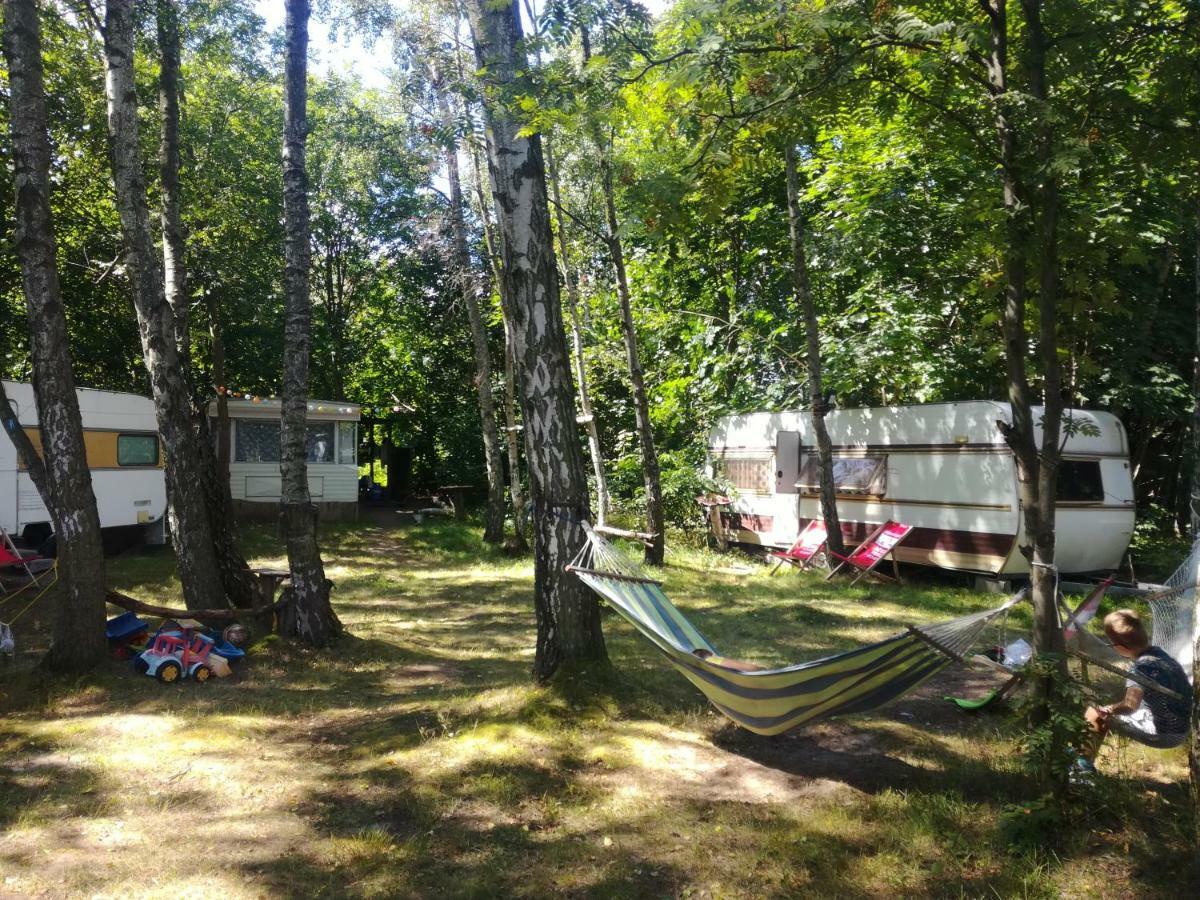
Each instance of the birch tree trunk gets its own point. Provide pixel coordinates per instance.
(198, 565)
(309, 616)
(511, 428)
(571, 279)
(62, 475)
(568, 616)
(174, 273)
(493, 525)
(803, 291)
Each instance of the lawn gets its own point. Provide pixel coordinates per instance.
(417, 758)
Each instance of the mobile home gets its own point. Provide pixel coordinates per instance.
(254, 452)
(120, 435)
(943, 468)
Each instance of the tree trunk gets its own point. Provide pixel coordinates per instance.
(1194, 741)
(310, 616)
(571, 279)
(803, 291)
(493, 526)
(236, 578)
(174, 273)
(655, 523)
(520, 544)
(1041, 528)
(568, 616)
(62, 477)
(198, 567)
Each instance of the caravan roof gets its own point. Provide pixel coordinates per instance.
(933, 424)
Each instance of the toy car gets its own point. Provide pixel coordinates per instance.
(173, 655)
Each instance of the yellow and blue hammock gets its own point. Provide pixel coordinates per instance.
(772, 701)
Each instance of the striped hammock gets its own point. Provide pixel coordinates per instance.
(772, 701)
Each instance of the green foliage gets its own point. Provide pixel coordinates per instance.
(1052, 725)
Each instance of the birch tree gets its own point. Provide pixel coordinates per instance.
(61, 475)
(309, 616)
(199, 569)
(568, 619)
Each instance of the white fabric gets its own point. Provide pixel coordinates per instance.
(1140, 718)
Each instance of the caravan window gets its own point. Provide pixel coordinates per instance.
(256, 441)
(347, 444)
(137, 450)
(755, 474)
(259, 442)
(1079, 481)
(851, 474)
(320, 442)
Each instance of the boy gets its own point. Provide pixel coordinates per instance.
(1147, 716)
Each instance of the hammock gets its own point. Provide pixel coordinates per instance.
(1176, 626)
(772, 701)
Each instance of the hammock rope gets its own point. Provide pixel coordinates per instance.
(771, 701)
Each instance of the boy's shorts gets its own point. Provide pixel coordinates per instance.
(1139, 726)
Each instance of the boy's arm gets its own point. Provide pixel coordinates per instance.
(1131, 701)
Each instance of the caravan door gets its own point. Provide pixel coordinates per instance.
(787, 495)
(8, 478)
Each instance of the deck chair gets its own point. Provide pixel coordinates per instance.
(13, 561)
(875, 549)
(804, 552)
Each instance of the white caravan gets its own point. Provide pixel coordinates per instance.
(120, 434)
(941, 467)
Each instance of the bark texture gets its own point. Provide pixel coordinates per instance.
(568, 616)
(62, 477)
(571, 280)
(309, 616)
(803, 291)
(174, 273)
(493, 523)
(198, 565)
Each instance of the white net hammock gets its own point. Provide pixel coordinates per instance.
(1176, 625)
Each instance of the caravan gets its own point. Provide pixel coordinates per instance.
(123, 453)
(942, 467)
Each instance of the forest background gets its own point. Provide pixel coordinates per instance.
(691, 111)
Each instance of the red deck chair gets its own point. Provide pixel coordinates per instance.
(874, 550)
(12, 561)
(805, 550)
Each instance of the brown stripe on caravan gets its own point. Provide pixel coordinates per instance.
(748, 522)
(940, 546)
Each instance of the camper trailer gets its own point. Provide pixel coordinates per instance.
(254, 452)
(120, 435)
(943, 468)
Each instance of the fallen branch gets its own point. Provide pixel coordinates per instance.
(642, 536)
(116, 598)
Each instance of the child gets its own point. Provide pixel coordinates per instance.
(1147, 716)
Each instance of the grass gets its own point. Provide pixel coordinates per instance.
(417, 758)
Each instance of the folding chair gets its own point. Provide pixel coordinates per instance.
(12, 558)
(804, 552)
(874, 550)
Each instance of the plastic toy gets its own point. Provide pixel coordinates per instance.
(173, 655)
